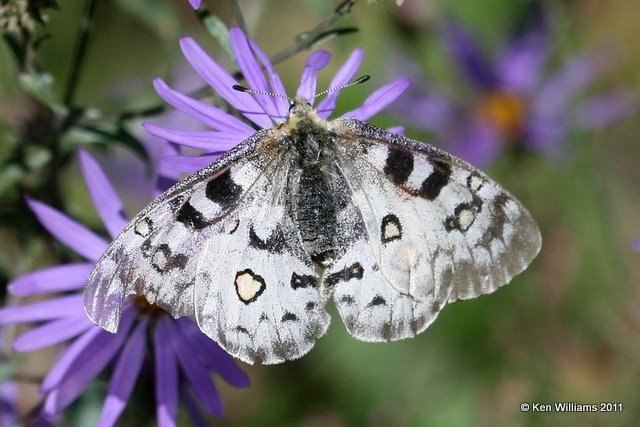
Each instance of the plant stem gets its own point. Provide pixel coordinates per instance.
(80, 51)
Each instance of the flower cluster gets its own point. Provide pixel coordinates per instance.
(514, 98)
(260, 111)
(182, 357)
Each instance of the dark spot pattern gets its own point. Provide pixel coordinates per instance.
(470, 178)
(355, 271)
(223, 190)
(289, 317)
(242, 330)
(303, 281)
(191, 218)
(323, 259)
(436, 180)
(144, 227)
(347, 299)
(172, 261)
(498, 219)
(453, 222)
(390, 220)
(255, 277)
(310, 306)
(377, 300)
(274, 244)
(398, 166)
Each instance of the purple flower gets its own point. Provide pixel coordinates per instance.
(514, 98)
(182, 357)
(195, 3)
(636, 245)
(257, 111)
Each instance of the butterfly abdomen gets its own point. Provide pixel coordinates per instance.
(314, 198)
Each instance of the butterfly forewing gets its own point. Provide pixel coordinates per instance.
(436, 230)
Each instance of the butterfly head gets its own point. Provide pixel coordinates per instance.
(302, 111)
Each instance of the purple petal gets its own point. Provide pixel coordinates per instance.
(545, 134)
(522, 63)
(104, 197)
(282, 105)
(342, 77)
(166, 368)
(77, 237)
(219, 79)
(251, 70)
(195, 3)
(475, 142)
(205, 140)
(67, 306)
(551, 99)
(606, 109)
(379, 100)
(427, 111)
(86, 356)
(54, 279)
(51, 333)
(636, 245)
(212, 355)
(467, 52)
(315, 62)
(188, 164)
(195, 372)
(190, 404)
(397, 130)
(201, 111)
(124, 376)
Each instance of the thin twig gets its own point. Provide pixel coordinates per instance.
(309, 40)
(311, 36)
(80, 51)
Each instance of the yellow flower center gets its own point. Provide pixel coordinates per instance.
(505, 111)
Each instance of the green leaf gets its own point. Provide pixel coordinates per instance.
(216, 27)
(41, 86)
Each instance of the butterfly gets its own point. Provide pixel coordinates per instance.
(255, 244)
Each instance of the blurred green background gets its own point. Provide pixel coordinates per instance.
(566, 330)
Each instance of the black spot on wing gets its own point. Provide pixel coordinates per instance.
(275, 243)
(377, 300)
(289, 317)
(191, 218)
(398, 166)
(249, 286)
(436, 180)
(143, 227)
(164, 260)
(302, 281)
(223, 190)
(390, 229)
(355, 271)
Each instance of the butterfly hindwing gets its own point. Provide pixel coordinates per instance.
(437, 230)
(256, 291)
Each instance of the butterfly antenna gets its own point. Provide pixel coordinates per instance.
(244, 89)
(359, 80)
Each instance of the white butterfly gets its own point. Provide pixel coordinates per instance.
(253, 245)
